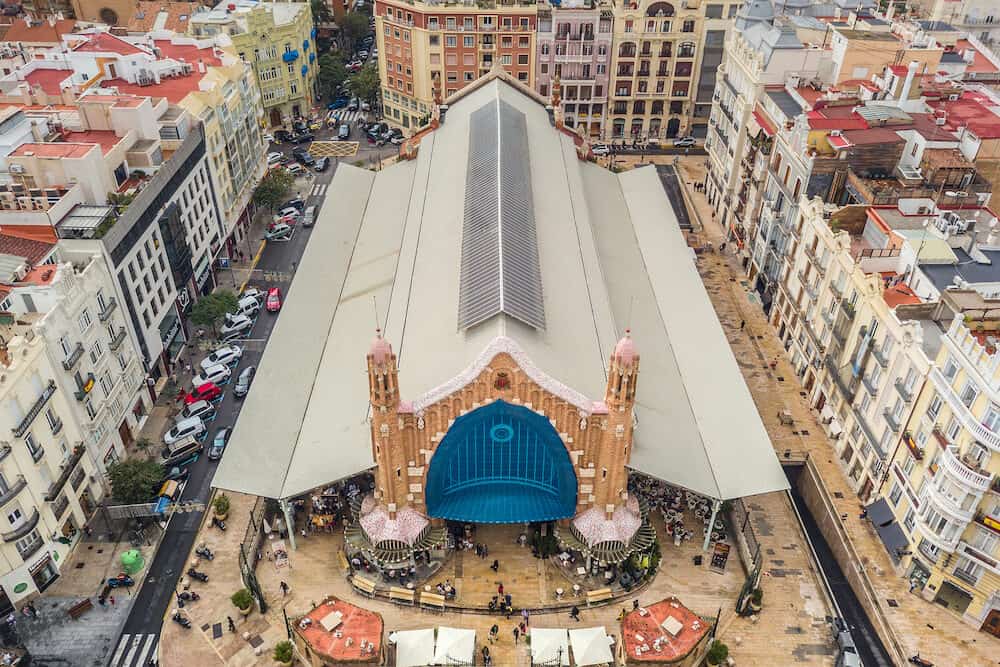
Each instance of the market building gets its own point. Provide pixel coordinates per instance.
(544, 354)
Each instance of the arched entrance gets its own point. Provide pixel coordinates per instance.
(673, 127)
(501, 463)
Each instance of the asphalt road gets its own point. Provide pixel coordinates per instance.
(141, 631)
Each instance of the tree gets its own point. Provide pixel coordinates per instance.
(321, 12)
(353, 27)
(212, 308)
(365, 83)
(273, 188)
(718, 653)
(134, 481)
(332, 73)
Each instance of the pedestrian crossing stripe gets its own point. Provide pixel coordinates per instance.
(348, 116)
(319, 189)
(134, 650)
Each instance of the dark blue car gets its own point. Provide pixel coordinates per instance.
(338, 103)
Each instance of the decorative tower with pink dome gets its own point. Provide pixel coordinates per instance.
(383, 387)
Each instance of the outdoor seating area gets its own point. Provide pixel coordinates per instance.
(684, 512)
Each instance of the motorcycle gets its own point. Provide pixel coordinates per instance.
(189, 596)
(204, 552)
(218, 523)
(917, 660)
(195, 574)
(180, 620)
(122, 580)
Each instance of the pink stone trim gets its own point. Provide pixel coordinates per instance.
(594, 528)
(406, 527)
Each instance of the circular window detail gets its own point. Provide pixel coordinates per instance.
(109, 16)
(501, 433)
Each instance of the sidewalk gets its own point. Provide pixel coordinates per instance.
(937, 634)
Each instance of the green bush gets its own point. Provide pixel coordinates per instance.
(718, 653)
(283, 651)
(756, 596)
(242, 599)
(221, 504)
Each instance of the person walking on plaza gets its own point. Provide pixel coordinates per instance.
(621, 615)
(232, 626)
(284, 589)
(574, 613)
(517, 633)
(500, 589)
(494, 631)
(524, 615)
(486, 655)
(495, 566)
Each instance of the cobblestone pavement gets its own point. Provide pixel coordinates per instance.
(920, 626)
(54, 638)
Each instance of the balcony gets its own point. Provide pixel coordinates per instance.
(60, 507)
(891, 420)
(988, 522)
(870, 386)
(5, 452)
(978, 431)
(13, 490)
(963, 471)
(837, 290)
(903, 392)
(70, 361)
(23, 529)
(67, 470)
(948, 506)
(28, 550)
(943, 545)
(119, 338)
(959, 573)
(911, 445)
(849, 309)
(811, 255)
(56, 426)
(927, 550)
(85, 388)
(828, 318)
(35, 408)
(108, 309)
(879, 356)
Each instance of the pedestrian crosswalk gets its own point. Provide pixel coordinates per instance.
(320, 189)
(137, 650)
(345, 116)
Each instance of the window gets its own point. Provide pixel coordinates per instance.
(450, 40)
(14, 517)
(51, 418)
(96, 352)
(102, 303)
(984, 541)
(67, 349)
(908, 464)
(934, 407)
(969, 393)
(522, 59)
(33, 447)
(687, 26)
(84, 320)
(953, 429)
(950, 369)
(89, 406)
(909, 520)
(468, 41)
(895, 494)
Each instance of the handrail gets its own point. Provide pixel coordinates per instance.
(35, 409)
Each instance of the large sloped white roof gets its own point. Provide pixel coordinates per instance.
(610, 255)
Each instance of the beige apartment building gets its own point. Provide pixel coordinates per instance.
(454, 43)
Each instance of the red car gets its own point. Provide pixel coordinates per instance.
(206, 392)
(273, 300)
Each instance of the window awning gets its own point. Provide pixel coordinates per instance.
(892, 536)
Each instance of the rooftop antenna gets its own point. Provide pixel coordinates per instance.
(375, 310)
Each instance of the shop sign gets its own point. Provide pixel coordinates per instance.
(183, 298)
(40, 563)
(202, 276)
(223, 262)
(175, 327)
(21, 587)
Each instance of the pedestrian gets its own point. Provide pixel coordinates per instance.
(524, 615)
(635, 604)
(494, 631)
(510, 610)
(111, 599)
(517, 633)
(304, 533)
(743, 323)
(486, 550)
(500, 589)
(524, 628)
(621, 615)
(232, 626)
(574, 613)
(495, 566)
(508, 599)
(486, 655)
(479, 550)
(101, 601)
(284, 589)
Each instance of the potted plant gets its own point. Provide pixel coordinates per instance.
(283, 653)
(717, 653)
(756, 597)
(221, 506)
(243, 601)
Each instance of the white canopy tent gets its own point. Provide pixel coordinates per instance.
(548, 645)
(591, 646)
(414, 648)
(455, 645)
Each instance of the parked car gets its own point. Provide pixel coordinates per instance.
(353, 104)
(344, 132)
(322, 164)
(254, 292)
(308, 219)
(684, 142)
(296, 203)
(228, 355)
(338, 103)
(236, 327)
(280, 232)
(206, 392)
(303, 157)
(303, 138)
(193, 427)
(243, 381)
(273, 300)
(377, 129)
(217, 374)
(248, 306)
(274, 158)
(295, 169)
(282, 135)
(395, 135)
(268, 137)
(203, 410)
(291, 211)
(219, 443)
(176, 474)
(600, 149)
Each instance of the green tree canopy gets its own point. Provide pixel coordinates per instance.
(332, 73)
(212, 308)
(353, 27)
(273, 188)
(365, 83)
(321, 12)
(134, 481)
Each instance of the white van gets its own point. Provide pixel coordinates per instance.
(193, 427)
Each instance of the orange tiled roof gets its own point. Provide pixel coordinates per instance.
(105, 42)
(14, 240)
(176, 19)
(42, 33)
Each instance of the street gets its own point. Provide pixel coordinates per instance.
(137, 644)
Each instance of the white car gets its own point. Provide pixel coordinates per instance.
(295, 169)
(279, 232)
(235, 327)
(600, 149)
(217, 374)
(365, 106)
(684, 142)
(228, 355)
(254, 292)
(274, 158)
(291, 210)
(248, 306)
(192, 427)
(268, 137)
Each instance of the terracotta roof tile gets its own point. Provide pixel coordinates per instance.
(42, 33)
(175, 17)
(34, 251)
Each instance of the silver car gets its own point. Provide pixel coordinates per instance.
(218, 374)
(228, 355)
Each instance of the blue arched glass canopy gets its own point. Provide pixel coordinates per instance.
(501, 463)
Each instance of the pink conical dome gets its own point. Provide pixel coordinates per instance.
(380, 349)
(625, 349)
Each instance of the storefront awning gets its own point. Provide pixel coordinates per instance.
(892, 536)
(766, 125)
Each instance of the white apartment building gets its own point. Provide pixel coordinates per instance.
(74, 311)
(48, 482)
